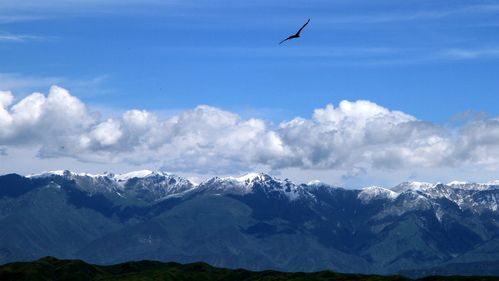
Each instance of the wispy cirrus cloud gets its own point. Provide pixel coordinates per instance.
(368, 56)
(19, 9)
(77, 6)
(17, 82)
(24, 84)
(423, 14)
(20, 38)
(69, 3)
(18, 18)
(469, 54)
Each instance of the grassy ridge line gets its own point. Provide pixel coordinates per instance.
(53, 269)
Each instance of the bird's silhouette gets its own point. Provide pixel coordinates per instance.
(297, 35)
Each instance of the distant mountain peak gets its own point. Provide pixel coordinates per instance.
(315, 182)
(426, 186)
(63, 173)
(134, 174)
(376, 192)
(250, 177)
(144, 185)
(252, 182)
(240, 184)
(118, 177)
(412, 185)
(455, 182)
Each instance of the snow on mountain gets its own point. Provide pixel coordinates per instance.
(250, 177)
(119, 178)
(242, 184)
(457, 183)
(227, 184)
(134, 174)
(150, 186)
(155, 185)
(413, 185)
(252, 182)
(473, 186)
(492, 183)
(145, 184)
(376, 192)
(62, 173)
(476, 197)
(428, 187)
(315, 182)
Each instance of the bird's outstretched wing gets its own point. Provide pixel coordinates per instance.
(290, 37)
(298, 33)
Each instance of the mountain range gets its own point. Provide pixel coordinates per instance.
(255, 222)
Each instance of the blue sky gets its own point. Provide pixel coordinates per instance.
(433, 60)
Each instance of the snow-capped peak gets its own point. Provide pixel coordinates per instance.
(56, 172)
(315, 182)
(46, 174)
(111, 176)
(372, 192)
(252, 182)
(241, 184)
(61, 173)
(134, 174)
(473, 185)
(412, 185)
(457, 183)
(493, 182)
(150, 185)
(117, 177)
(250, 177)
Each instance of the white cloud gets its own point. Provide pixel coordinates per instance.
(360, 135)
(352, 139)
(6, 99)
(39, 119)
(107, 133)
(202, 139)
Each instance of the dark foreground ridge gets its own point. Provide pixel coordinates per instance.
(50, 268)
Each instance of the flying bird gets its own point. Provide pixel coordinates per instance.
(297, 35)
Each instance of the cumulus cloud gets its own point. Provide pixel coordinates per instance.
(359, 135)
(40, 119)
(353, 137)
(203, 139)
